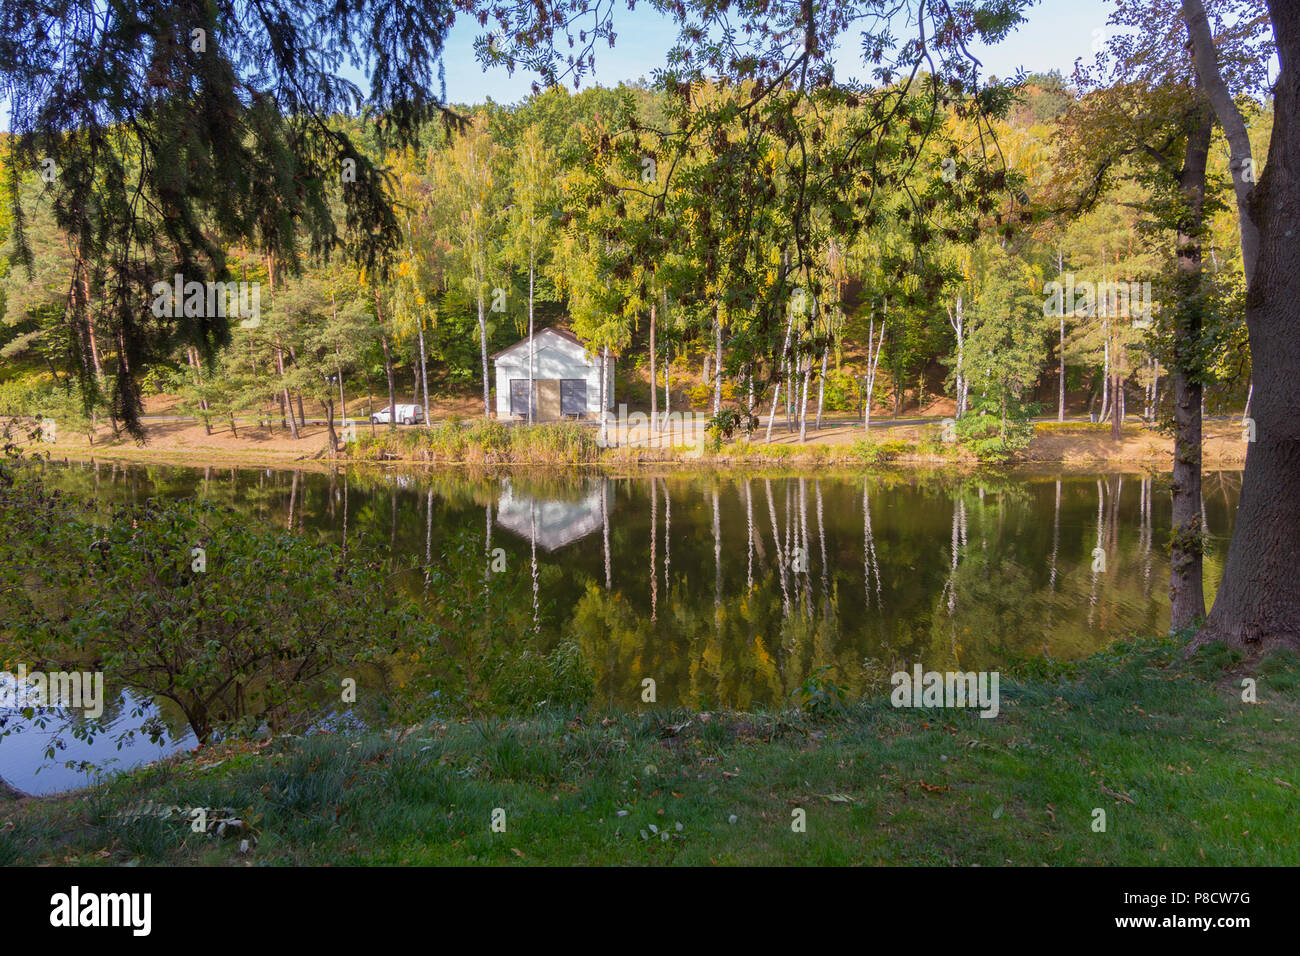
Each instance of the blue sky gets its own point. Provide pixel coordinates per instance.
(1054, 34)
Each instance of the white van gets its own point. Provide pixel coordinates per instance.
(406, 415)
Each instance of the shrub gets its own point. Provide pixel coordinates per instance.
(560, 680)
(239, 637)
(485, 442)
(876, 453)
(992, 438)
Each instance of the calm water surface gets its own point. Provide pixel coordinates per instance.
(731, 590)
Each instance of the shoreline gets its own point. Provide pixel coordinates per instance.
(1073, 447)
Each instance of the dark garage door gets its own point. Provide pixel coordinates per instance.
(573, 396)
(519, 397)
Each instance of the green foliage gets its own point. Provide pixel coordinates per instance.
(723, 426)
(246, 637)
(819, 696)
(996, 433)
(878, 452)
(528, 681)
(484, 442)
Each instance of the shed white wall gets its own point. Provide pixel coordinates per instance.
(553, 358)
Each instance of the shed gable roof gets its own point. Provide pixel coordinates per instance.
(549, 337)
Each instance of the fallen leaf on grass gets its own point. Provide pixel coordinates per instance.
(1117, 796)
(932, 787)
(673, 729)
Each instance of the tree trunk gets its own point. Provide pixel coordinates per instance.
(776, 395)
(532, 270)
(343, 404)
(1060, 399)
(717, 361)
(193, 355)
(1117, 406)
(424, 377)
(604, 400)
(1105, 380)
(654, 379)
(957, 319)
(370, 389)
(821, 388)
(286, 403)
(872, 365)
(668, 395)
(482, 338)
(803, 401)
(329, 425)
(1240, 162)
(388, 366)
(302, 415)
(1258, 603)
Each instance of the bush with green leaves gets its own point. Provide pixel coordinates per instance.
(723, 426)
(993, 436)
(484, 442)
(561, 680)
(247, 630)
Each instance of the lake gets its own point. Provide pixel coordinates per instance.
(730, 590)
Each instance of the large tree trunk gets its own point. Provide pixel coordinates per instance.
(1258, 602)
(1205, 57)
(1186, 591)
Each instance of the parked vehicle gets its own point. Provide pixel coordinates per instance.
(406, 415)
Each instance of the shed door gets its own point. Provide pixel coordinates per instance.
(573, 396)
(519, 397)
(548, 399)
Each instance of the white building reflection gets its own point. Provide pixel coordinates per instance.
(550, 524)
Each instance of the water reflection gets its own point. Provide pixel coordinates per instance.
(731, 590)
(551, 523)
(133, 731)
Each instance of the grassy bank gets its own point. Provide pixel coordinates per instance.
(1185, 771)
(480, 443)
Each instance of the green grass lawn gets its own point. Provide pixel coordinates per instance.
(1186, 772)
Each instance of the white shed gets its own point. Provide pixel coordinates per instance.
(566, 379)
